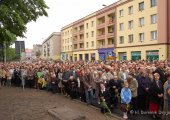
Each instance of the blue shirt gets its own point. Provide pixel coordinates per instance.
(126, 95)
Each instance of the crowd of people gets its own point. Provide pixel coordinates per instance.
(138, 86)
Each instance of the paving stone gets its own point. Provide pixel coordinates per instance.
(66, 113)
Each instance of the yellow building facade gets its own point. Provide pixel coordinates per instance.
(124, 30)
(66, 43)
(137, 31)
(86, 45)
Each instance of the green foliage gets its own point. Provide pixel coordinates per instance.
(15, 14)
(10, 53)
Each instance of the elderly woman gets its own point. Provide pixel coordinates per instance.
(156, 94)
(167, 94)
(133, 85)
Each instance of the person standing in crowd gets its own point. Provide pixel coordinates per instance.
(17, 76)
(161, 71)
(54, 83)
(133, 85)
(97, 80)
(123, 74)
(60, 84)
(4, 77)
(30, 78)
(115, 87)
(156, 95)
(167, 94)
(105, 97)
(143, 91)
(107, 76)
(126, 97)
(65, 77)
(88, 87)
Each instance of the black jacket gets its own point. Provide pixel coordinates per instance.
(154, 91)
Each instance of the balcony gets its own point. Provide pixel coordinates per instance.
(101, 46)
(110, 22)
(101, 36)
(75, 33)
(81, 31)
(111, 34)
(81, 40)
(101, 25)
(75, 41)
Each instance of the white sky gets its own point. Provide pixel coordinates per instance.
(61, 13)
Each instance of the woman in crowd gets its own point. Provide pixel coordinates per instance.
(133, 85)
(167, 94)
(156, 95)
(143, 91)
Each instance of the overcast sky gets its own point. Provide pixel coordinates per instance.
(61, 13)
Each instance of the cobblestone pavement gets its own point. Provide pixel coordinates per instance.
(31, 104)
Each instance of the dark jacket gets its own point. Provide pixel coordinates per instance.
(154, 91)
(66, 75)
(143, 83)
(118, 85)
(161, 72)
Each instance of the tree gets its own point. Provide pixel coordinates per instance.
(10, 53)
(14, 16)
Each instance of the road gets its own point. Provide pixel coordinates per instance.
(32, 104)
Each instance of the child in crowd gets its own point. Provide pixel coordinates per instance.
(126, 97)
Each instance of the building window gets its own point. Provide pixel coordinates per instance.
(92, 23)
(141, 22)
(141, 37)
(130, 10)
(153, 35)
(92, 43)
(68, 47)
(141, 6)
(75, 46)
(87, 44)
(130, 38)
(81, 45)
(87, 25)
(110, 41)
(130, 24)
(68, 40)
(121, 13)
(153, 19)
(121, 25)
(71, 47)
(121, 39)
(87, 35)
(92, 33)
(153, 3)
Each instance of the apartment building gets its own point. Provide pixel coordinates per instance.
(37, 50)
(67, 43)
(106, 33)
(124, 30)
(84, 39)
(52, 47)
(142, 31)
